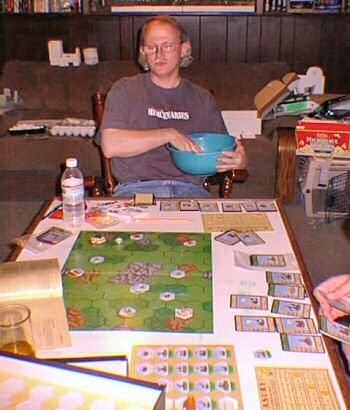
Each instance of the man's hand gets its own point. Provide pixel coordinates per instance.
(231, 160)
(182, 141)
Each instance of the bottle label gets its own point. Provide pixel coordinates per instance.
(73, 190)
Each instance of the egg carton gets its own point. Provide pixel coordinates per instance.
(74, 127)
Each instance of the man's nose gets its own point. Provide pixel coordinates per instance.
(159, 50)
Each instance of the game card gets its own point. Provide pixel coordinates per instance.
(228, 238)
(268, 261)
(231, 207)
(283, 278)
(208, 207)
(189, 205)
(255, 324)
(334, 330)
(302, 343)
(286, 291)
(53, 235)
(249, 302)
(250, 238)
(291, 325)
(289, 308)
(342, 304)
(266, 206)
(249, 206)
(262, 261)
(169, 206)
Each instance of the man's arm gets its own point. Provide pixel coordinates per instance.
(128, 143)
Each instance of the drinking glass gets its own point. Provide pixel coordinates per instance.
(16, 330)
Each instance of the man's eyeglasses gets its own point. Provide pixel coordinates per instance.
(167, 47)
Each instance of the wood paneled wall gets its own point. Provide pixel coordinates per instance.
(300, 40)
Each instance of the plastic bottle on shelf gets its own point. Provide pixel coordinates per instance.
(72, 185)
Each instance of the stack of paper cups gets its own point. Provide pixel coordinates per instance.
(90, 55)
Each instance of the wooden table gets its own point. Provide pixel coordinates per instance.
(228, 279)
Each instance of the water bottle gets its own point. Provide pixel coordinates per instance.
(72, 185)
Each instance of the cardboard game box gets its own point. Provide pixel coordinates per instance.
(323, 137)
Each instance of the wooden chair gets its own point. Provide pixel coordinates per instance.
(105, 188)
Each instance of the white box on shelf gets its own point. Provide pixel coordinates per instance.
(244, 124)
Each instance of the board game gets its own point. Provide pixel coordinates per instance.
(140, 281)
(31, 384)
(208, 373)
(295, 388)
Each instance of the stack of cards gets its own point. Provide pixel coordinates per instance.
(335, 330)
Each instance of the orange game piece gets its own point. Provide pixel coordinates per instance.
(190, 403)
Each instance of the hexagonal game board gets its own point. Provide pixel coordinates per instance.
(140, 281)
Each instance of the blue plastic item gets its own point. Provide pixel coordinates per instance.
(202, 163)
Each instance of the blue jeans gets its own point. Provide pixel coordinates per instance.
(162, 189)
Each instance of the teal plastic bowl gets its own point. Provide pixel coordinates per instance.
(202, 163)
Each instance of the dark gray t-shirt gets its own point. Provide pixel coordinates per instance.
(137, 103)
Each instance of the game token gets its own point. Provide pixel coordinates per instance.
(127, 312)
(177, 274)
(184, 313)
(140, 288)
(136, 236)
(98, 239)
(262, 354)
(97, 259)
(76, 272)
(167, 296)
(190, 243)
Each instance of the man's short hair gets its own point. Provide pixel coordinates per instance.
(185, 60)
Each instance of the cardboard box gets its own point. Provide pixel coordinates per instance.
(273, 93)
(321, 137)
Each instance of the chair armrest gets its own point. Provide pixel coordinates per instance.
(225, 181)
(285, 164)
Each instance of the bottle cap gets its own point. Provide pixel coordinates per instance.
(71, 162)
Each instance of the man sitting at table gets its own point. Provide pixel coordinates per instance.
(145, 112)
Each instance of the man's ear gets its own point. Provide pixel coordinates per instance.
(186, 48)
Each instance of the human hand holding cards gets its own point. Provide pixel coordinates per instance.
(334, 296)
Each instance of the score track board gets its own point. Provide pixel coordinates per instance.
(277, 387)
(218, 222)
